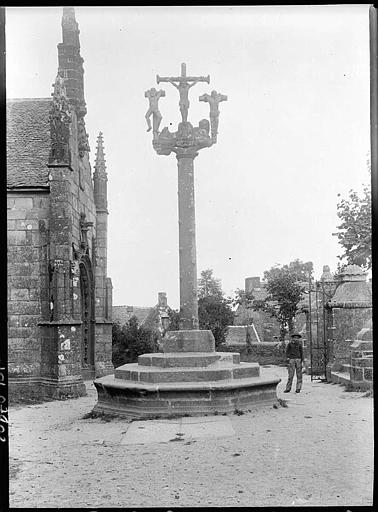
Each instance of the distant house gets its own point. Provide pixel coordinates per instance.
(148, 316)
(266, 327)
(122, 314)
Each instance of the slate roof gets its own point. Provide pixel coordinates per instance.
(122, 314)
(353, 291)
(28, 142)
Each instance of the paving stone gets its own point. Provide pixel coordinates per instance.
(334, 468)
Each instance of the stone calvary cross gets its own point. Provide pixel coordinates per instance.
(185, 143)
(189, 377)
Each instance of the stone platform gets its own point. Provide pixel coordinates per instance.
(188, 378)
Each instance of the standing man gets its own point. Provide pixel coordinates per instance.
(294, 355)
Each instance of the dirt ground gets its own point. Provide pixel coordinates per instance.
(318, 451)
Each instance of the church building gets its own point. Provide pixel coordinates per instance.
(59, 294)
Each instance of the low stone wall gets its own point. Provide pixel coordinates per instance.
(236, 335)
(262, 353)
(361, 364)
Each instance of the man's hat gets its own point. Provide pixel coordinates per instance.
(296, 335)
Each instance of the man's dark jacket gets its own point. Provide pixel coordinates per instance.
(294, 350)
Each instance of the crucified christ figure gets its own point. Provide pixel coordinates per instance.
(184, 83)
(183, 89)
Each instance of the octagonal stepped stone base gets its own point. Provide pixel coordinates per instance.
(182, 382)
(136, 373)
(189, 359)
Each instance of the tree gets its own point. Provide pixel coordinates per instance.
(355, 229)
(301, 270)
(174, 320)
(132, 340)
(215, 314)
(208, 285)
(243, 298)
(214, 310)
(284, 286)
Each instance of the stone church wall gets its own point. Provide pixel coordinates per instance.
(27, 218)
(57, 232)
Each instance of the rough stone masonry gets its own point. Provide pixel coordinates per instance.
(59, 295)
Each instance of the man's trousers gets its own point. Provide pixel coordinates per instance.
(294, 365)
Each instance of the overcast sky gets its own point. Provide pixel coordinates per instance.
(293, 134)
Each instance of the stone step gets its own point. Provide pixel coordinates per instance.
(136, 373)
(188, 341)
(340, 377)
(189, 359)
(112, 383)
(345, 368)
(146, 400)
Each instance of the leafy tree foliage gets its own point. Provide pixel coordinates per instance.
(215, 314)
(301, 270)
(284, 286)
(243, 298)
(132, 340)
(214, 310)
(208, 285)
(174, 320)
(355, 228)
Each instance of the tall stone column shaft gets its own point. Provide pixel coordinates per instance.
(187, 243)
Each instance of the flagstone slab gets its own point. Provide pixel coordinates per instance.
(156, 431)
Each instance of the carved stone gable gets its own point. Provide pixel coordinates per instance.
(60, 119)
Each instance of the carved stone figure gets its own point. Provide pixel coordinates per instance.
(153, 96)
(213, 99)
(185, 131)
(203, 128)
(84, 226)
(60, 118)
(83, 144)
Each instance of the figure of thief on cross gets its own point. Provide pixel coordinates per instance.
(153, 110)
(294, 355)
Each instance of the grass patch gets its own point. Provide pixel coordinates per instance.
(27, 400)
(282, 402)
(103, 416)
(360, 388)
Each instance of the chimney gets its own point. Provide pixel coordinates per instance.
(251, 283)
(162, 299)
